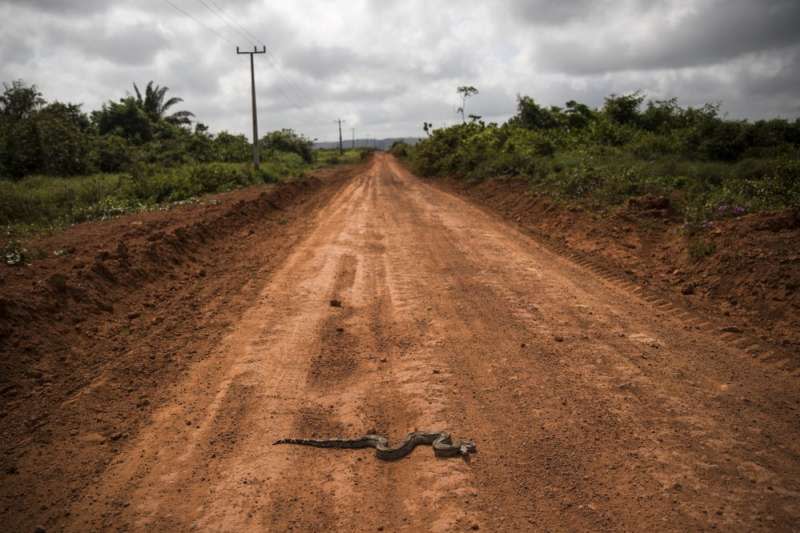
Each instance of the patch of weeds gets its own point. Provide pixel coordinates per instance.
(14, 254)
(700, 248)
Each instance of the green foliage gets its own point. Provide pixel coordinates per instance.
(19, 101)
(232, 148)
(125, 119)
(155, 105)
(624, 109)
(400, 149)
(708, 166)
(287, 140)
(326, 157)
(533, 116)
(466, 92)
(699, 248)
(44, 201)
(128, 155)
(63, 142)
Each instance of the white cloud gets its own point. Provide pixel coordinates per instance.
(387, 67)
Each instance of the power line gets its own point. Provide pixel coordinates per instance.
(221, 14)
(252, 37)
(209, 28)
(233, 25)
(223, 18)
(272, 59)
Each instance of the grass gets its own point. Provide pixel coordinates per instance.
(602, 177)
(40, 203)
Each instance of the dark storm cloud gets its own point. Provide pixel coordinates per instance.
(544, 12)
(135, 44)
(388, 66)
(63, 7)
(323, 62)
(712, 32)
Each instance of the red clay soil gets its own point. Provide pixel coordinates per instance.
(749, 285)
(91, 333)
(147, 373)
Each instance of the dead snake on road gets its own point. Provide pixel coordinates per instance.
(443, 444)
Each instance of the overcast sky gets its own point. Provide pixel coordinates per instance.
(387, 66)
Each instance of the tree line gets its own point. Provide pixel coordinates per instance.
(629, 146)
(60, 139)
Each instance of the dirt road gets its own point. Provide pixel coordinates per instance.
(592, 408)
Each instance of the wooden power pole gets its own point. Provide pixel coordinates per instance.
(255, 51)
(341, 146)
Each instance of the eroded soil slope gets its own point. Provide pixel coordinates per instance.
(749, 281)
(94, 331)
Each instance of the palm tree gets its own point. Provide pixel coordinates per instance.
(156, 107)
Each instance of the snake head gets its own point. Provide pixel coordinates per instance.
(467, 447)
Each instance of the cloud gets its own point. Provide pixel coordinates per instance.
(387, 67)
(709, 33)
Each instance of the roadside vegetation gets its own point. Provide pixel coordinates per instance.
(59, 165)
(706, 165)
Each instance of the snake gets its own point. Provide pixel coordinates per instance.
(443, 444)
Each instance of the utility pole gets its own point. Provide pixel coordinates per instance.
(341, 147)
(255, 51)
(354, 138)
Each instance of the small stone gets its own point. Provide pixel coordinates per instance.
(339, 330)
(731, 329)
(475, 527)
(558, 338)
(134, 315)
(383, 359)
(437, 371)
(39, 529)
(688, 289)
(336, 303)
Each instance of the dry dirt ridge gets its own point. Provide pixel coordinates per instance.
(147, 370)
(748, 287)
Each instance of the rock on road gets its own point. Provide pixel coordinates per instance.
(592, 409)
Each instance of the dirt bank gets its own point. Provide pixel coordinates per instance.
(744, 275)
(109, 314)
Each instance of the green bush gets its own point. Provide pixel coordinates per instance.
(111, 153)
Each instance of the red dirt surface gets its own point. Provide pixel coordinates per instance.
(143, 391)
(751, 282)
(90, 338)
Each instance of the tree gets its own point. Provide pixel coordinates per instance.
(532, 116)
(232, 148)
(19, 101)
(578, 115)
(19, 141)
(286, 140)
(64, 139)
(155, 105)
(466, 92)
(624, 109)
(125, 118)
